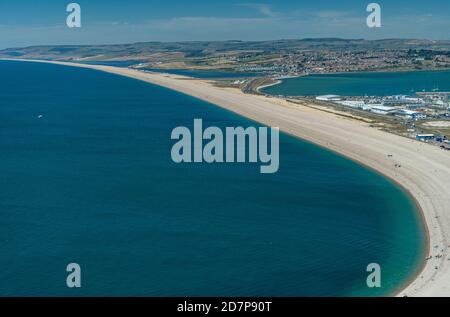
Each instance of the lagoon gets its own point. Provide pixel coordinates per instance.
(363, 84)
(205, 74)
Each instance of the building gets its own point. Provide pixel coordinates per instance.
(425, 137)
(414, 106)
(369, 106)
(419, 116)
(396, 100)
(352, 103)
(384, 110)
(440, 104)
(413, 100)
(329, 98)
(410, 114)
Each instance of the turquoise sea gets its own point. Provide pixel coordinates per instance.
(86, 177)
(364, 84)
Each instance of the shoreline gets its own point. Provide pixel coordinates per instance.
(354, 140)
(397, 292)
(417, 271)
(258, 89)
(423, 263)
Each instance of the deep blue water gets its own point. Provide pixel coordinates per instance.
(362, 84)
(92, 182)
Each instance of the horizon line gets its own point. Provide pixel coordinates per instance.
(231, 40)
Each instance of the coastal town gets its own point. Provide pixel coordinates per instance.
(334, 61)
(272, 58)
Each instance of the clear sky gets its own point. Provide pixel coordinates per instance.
(32, 22)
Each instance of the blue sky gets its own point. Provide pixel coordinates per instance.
(31, 22)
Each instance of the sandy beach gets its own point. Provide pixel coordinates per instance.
(424, 169)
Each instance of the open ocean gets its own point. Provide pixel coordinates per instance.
(91, 181)
(364, 84)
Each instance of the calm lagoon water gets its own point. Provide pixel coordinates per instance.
(361, 84)
(92, 182)
(124, 64)
(204, 74)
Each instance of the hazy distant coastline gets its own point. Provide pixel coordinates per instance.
(271, 58)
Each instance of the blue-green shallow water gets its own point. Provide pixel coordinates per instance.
(362, 84)
(92, 182)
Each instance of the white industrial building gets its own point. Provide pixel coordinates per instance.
(329, 98)
(410, 114)
(352, 103)
(384, 110)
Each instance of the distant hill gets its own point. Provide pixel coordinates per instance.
(150, 50)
